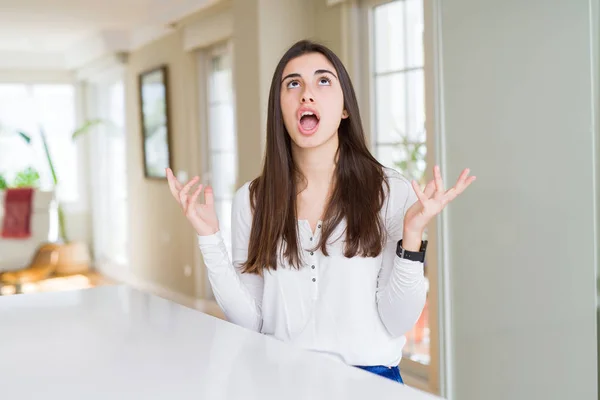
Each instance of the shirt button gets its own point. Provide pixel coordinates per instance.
(311, 239)
(314, 279)
(312, 254)
(312, 266)
(319, 226)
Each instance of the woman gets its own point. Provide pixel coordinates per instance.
(327, 243)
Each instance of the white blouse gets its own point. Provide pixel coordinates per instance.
(355, 309)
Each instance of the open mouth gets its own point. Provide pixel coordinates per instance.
(308, 123)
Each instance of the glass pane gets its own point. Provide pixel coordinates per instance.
(413, 163)
(400, 114)
(418, 339)
(26, 107)
(16, 105)
(223, 173)
(416, 106)
(390, 108)
(220, 89)
(118, 236)
(388, 25)
(111, 174)
(118, 198)
(16, 155)
(56, 107)
(414, 33)
(406, 158)
(224, 214)
(117, 170)
(116, 111)
(391, 156)
(222, 128)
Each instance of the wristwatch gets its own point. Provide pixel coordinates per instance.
(412, 255)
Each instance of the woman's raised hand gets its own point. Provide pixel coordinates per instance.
(433, 199)
(202, 216)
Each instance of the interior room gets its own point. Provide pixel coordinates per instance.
(98, 99)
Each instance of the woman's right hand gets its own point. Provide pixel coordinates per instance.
(203, 217)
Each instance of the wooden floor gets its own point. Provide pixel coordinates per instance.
(93, 279)
(59, 283)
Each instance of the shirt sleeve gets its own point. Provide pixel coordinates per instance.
(401, 288)
(239, 295)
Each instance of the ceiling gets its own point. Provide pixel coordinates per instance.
(54, 27)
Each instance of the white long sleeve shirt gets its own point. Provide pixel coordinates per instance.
(356, 309)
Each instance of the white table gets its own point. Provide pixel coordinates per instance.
(115, 342)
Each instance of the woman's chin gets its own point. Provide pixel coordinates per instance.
(304, 141)
(308, 141)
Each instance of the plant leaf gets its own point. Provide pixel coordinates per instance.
(28, 177)
(25, 136)
(48, 157)
(86, 127)
(3, 183)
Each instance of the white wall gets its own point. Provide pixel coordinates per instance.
(518, 110)
(595, 5)
(263, 31)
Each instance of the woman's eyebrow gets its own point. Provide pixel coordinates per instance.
(325, 71)
(317, 72)
(292, 75)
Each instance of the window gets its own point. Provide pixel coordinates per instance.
(220, 147)
(398, 83)
(397, 118)
(27, 107)
(109, 173)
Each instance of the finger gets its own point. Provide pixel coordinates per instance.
(464, 182)
(193, 199)
(463, 176)
(452, 193)
(420, 195)
(174, 184)
(184, 190)
(209, 197)
(430, 189)
(437, 175)
(174, 179)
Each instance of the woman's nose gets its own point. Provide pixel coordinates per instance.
(307, 96)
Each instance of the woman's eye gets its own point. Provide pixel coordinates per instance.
(324, 81)
(293, 84)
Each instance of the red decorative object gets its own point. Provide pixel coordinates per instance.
(18, 205)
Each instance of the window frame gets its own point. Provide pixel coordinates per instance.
(216, 50)
(79, 204)
(430, 377)
(97, 94)
(204, 57)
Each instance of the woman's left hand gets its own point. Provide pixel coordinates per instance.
(432, 201)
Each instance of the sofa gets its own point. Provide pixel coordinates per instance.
(18, 253)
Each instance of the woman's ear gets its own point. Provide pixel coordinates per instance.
(344, 114)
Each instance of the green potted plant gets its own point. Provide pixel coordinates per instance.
(73, 255)
(412, 166)
(27, 177)
(3, 183)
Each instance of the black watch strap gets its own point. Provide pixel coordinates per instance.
(412, 255)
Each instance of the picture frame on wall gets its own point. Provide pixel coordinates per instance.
(155, 121)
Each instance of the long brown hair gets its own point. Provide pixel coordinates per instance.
(357, 196)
